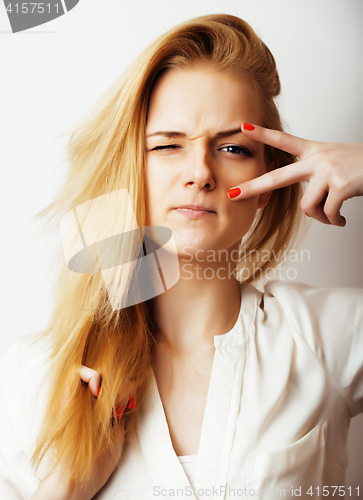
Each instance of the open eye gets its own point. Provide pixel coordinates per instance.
(237, 150)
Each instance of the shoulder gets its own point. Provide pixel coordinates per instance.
(25, 358)
(22, 372)
(22, 392)
(329, 320)
(316, 314)
(282, 288)
(300, 301)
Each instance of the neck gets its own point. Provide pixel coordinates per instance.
(203, 303)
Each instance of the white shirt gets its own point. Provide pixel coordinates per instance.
(189, 463)
(285, 382)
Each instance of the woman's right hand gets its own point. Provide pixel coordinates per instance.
(55, 488)
(334, 172)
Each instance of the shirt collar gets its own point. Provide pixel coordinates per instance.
(250, 300)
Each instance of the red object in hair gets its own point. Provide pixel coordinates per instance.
(119, 412)
(132, 402)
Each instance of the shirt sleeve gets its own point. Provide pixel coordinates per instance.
(17, 479)
(331, 321)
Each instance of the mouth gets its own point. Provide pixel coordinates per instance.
(195, 210)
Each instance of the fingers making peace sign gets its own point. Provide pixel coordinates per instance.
(334, 172)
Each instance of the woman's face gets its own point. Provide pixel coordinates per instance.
(196, 152)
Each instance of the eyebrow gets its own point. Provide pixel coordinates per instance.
(224, 133)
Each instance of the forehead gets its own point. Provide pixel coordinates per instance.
(200, 98)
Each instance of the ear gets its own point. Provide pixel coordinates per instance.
(263, 199)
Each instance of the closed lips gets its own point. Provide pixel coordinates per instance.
(198, 208)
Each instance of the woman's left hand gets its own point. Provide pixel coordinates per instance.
(334, 172)
(58, 487)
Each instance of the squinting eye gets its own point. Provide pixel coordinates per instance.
(239, 150)
(170, 146)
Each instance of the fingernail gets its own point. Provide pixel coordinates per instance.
(248, 126)
(119, 412)
(232, 193)
(99, 390)
(307, 215)
(132, 402)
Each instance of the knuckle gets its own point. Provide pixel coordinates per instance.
(246, 188)
(275, 174)
(304, 204)
(339, 184)
(330, 213)
(320, 158)
(330, 167)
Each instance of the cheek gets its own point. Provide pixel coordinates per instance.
(149, 175)
(243, 215)
(152, 181)
(158, 186)
(157, 177)
(246, 172)
(149, 184)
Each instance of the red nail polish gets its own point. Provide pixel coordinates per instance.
(132, 402)
(99, 390)
(248, 126)
(307, 215)
(119, 412)
(232, 193)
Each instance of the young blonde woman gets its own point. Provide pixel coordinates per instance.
(212, 388)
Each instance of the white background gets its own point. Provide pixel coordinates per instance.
(51, 76)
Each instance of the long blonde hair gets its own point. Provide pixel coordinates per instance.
(106, 153)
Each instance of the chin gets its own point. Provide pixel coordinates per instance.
(207, 252)
(192, 241)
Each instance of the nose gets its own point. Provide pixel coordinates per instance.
(199, 172)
